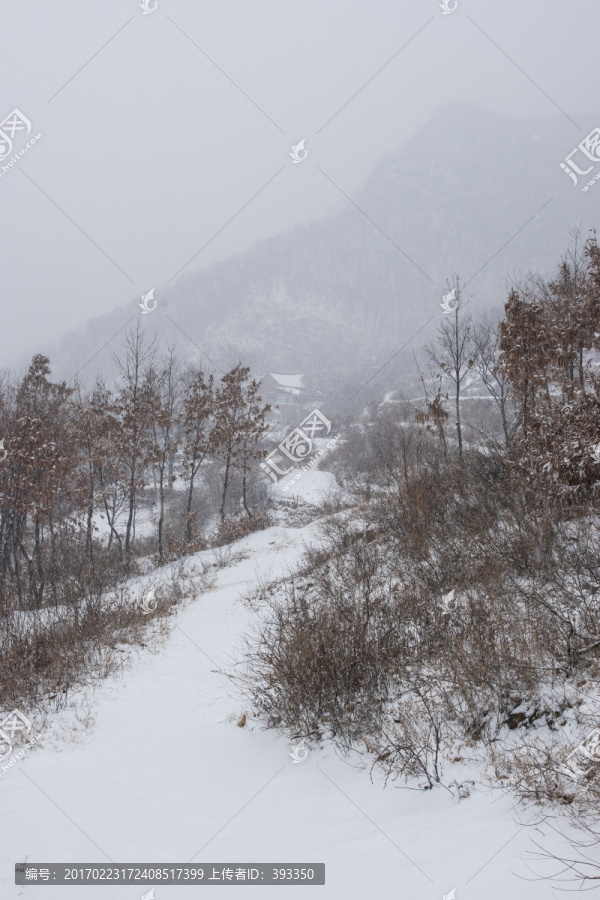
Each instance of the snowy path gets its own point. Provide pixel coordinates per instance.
(161, 776)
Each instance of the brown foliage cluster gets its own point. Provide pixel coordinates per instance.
(549, 345)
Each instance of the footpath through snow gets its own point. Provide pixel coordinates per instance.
(162, 774)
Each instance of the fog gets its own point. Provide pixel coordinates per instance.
(166, 136)
(299, 517)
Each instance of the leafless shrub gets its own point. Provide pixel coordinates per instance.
(360, 648)
(575, 868)
(414, 732)
(234, 529)
(317, 657)
(47, 653)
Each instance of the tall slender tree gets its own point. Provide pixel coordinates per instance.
(451, 353)
(165, 398)
(198, 408)
(134, 405)
(485, 353)
(239, 426)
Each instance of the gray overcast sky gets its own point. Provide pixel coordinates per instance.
(150, 149)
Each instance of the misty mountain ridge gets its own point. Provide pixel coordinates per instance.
(473, 192)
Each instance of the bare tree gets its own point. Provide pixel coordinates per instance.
(239, 426)
(435, 415)
(134, 405)
(198, 408)
(485, 351)
(92, 418)
(165, 391)
(451, 353)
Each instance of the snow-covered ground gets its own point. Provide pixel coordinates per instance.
(312, 487)
(159, 772)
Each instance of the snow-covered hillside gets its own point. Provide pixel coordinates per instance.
(151, 767)
(472, 192)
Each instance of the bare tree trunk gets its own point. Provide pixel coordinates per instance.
(525, 407)
(88, 532)
(110, 518)
(37, 553)
(502, 405)
(225, 486)
(188, 512)
(161, 515)
(458, 428)
(244, 473)
(458, 380)
(244, 495)
(130, 518)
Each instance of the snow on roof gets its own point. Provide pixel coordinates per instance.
(288, 381)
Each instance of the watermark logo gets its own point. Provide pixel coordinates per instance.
(589, 749)
(15, 722)
(146, 8)
(144, 305)
(446, 9)
(149, 603)
(4, 452)
(149, 895)
(451, 895)
(11, 128)
(595, 452)
(447, 301)
(15, 121)
(589, 150)
(297, 446)
(448, 603)
(297, 149)
(298, 749)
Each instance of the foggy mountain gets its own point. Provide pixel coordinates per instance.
(473, 193)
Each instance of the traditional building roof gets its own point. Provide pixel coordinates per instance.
(290, 384)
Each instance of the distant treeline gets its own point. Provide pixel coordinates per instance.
(72, 457)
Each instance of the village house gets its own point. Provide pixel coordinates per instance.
(276, 388)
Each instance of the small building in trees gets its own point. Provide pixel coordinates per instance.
(277, 388)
